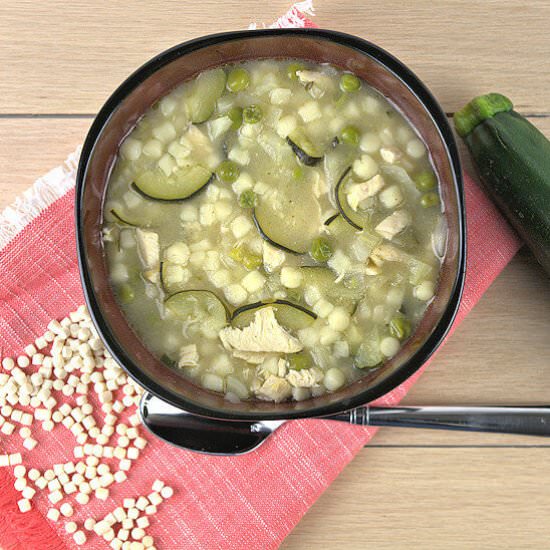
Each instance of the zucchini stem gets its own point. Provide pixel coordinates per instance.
(479, 109)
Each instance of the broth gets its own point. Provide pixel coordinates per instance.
(271, 229)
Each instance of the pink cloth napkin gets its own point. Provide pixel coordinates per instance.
(252, 501)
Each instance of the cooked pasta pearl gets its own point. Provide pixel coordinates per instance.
(334, 379)
(415, 148)
(389, 346)
(338, 319)
(424, 291)
(291, 277)
(370, 143)
(365, 167)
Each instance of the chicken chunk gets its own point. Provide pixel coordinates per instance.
(148, 248)
(272, 365)
(305, 378)
(393, 224)
(189, 356)
(194, 138)
(316, 82)
(254, 357)
(340, 263)
(390, 253)
(273, 257)
(390, 154)
(264, 334)
(358, 192)
(274, 389)
(201, 147)
(152, 275)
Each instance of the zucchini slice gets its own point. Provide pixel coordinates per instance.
(168, 361)
(120, 219)
(340, 228)
(306, 151)
(290, 316)
(269, 235)
(337, 159)
(289, 218)
(198, 306)
(181, 185)
(345, 293)
(368, 355)
(355, 219)
(206, 89)
(329, 220)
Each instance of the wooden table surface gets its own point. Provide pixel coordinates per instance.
(410, 488)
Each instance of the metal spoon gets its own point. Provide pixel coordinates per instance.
(221, 437)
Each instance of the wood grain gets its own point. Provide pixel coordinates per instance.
(61, 57)
(410, 488)
(436, 499)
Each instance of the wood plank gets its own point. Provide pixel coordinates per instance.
(402, 499)
(67, 58)
(35, 146)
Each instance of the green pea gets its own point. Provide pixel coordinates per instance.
(247, 199)
(350, 135)
(321, 250)
(299, 361)
(251, 261)
(292, 69)
(425, 180)
(400, 328)
(227, 171)
(244, 257)
(349, 83)
(252, 114)
(298, 173)
(235, 114)
(238, 80)
(429, 199)
(126, 294)
(237, 253)
(295, 295)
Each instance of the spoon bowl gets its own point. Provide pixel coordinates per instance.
(201, 434)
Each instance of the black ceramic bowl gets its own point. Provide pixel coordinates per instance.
(158, 77)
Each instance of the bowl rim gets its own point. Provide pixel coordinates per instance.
(439, 118)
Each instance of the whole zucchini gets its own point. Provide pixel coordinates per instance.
(513, 161)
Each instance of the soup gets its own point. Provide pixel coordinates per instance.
(273, 230)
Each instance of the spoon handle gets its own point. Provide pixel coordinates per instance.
(511, 420)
